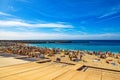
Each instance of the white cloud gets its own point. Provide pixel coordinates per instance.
(62, 30)
(110, 12)
(9, 35)
(5, 14)
(20, 23)
(110, 18)
(107, 14)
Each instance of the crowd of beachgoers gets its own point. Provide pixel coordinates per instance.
(37, 52)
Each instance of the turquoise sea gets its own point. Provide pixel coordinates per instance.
(89, 45)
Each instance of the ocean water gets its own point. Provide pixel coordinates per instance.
(89, 45)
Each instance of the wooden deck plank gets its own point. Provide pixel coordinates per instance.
(107, 75)
(93, 74)
(18, 67)
(20, 70)
(39, 73)
(66, 76)
(50, 70)
(26, 75)
(76, 66)
(54, 74)
(12, 66)
(35, 73)
(55, 71)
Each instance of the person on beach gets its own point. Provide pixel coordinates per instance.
(81, 55)
(41, 56)
(62, 53)
(103, 56)
(70, 56)
(75, 58)
(58, 60)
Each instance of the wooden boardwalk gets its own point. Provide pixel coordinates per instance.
(54, 71)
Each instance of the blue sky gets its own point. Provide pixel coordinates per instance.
(60, 19)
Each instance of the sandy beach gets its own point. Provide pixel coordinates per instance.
(22, 66)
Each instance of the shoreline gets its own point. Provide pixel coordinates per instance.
(33, 45)
(24, 49)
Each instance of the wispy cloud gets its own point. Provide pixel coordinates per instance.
(110, 18)
(62, 30)
(107, 14)
(110, 12)
(20, 23)
(9, 35)
(5, 14)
